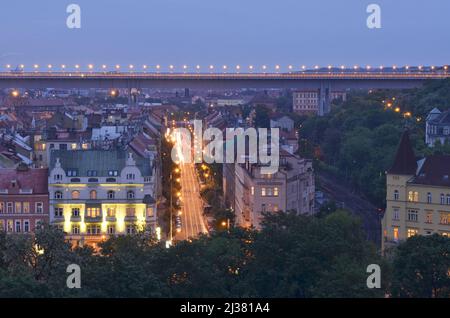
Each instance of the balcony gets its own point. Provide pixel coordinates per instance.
(130, 218)
(93, 219)
(75, 218)
(111, 219)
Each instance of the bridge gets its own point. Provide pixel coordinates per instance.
(324, 81)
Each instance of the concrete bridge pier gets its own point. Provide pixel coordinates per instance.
(324, 98)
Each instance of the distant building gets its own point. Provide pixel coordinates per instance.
(290, 189)
(418, 196)
(437, 127)
(283, 122)
(95, 194)
(307, 102)
(23, 199)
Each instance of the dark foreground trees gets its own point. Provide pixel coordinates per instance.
(293, 256)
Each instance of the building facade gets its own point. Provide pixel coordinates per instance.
(418, 196)
(308, 102)
(437, 127)
(292, 188)
(98, 193)
(24, 200)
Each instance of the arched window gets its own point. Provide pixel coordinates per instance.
(75, 195)
(395, 195)
(58, 195)
(93, 195)
(130, 194)
(111, 194)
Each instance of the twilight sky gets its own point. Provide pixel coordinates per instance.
(245, 32)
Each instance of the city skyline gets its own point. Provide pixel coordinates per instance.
(199, 33)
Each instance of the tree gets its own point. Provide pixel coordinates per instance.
(421, 267)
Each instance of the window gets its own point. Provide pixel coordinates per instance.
(429, 217)
(396, 234)
(111, 229)
(110, 179)
(9, 208)
(130, 176)
(93, 229)
(413, 196)
(149, 212)
(275, 192)
(2, 225)
(39, 207)
(411, 232)
(130, 195)
(93, 212)
(252, 190)
(26, 207)
(75, 229)
(18, 207)
(396, 214)
(269, 192)
(58, 212)
(73, 146)
(75, 212)
(429, 197)
(444, 218)
(396, 195)
(93, 195)
(275, 208)
(263, 208)
(442, 198)
(131, 212)
(58, 195)
(111, 195)
(26, 226)
(75, 180)
(18, 226)
(57, 177)
(2, 207)
(75, 195)
(413, 216)
(111, 212)
(9, 226)
(448, 199)
(263, 192)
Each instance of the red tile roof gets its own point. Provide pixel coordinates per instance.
(36, 179)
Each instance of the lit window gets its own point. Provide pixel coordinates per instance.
(111, 212)
(396, 234)
(93, 212)
(275, 192)
(73, 146)
(131, 212)
(93, 195)
(412, 232)
(26, 207)
(253, 190)
(18, 207)
(444, 216)
(413, 196)
(149, 212)
(429, 217)
(75, 195)
(2, 207)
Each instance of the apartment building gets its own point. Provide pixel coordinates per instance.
(23, 199)
(418, 196)
(307, 102)
(98, 193)
(290, 189)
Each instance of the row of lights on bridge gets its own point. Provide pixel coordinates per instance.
(131, 67)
